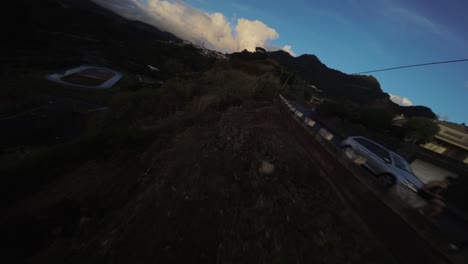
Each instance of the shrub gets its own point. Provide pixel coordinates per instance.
(205, 102)
(371, 117)
(420, 129)
(376, 118)
(343, 110)
(307, 94)
(327, 109)
(267, 88)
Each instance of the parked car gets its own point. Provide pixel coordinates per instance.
(389, 167)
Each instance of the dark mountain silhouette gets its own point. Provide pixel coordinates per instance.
(335, 84)
(55, 34)
(33, 18)
(361, 89)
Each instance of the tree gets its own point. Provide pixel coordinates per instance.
(376, 118)
(260, 49)
(420, 129)
(416, 110)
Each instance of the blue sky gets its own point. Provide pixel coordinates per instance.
(351, 36)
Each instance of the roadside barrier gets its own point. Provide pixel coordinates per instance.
(309, 122)
(325, 134)
(427, 245)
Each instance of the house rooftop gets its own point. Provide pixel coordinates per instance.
(459, 127)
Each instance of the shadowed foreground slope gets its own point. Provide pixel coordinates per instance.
(199, 196)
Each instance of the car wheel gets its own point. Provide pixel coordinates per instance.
(386, 180)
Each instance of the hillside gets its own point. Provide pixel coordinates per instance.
(54, 34)
(201, 169)
(76, 17)
(360, 89)
(335, 84)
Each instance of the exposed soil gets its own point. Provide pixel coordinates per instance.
(233, 187)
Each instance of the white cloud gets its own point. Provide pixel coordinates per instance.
(400, 100)
(213, 30)
(250, 34)
(288, 49)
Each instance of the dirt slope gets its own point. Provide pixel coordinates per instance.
(197, 196)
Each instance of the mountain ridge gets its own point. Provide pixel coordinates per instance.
(361, 89)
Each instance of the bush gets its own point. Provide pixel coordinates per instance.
(233, 87)
(345, 110)
(420, 129)
(127, 108)
(373, 118)
(376, 118)
(327, 109)
(307, 94)
(267, 88)
(204, 103)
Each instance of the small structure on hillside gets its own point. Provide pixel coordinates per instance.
(87, 77)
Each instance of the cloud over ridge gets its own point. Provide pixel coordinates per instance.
(400, 100)
(213, 30)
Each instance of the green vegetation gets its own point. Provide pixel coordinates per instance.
(295, 87)
(358, 89)
(137, 116)
(267, 88)
(374, 118)
(416, 111)
(420, 129)
(23, 91)
(168, 174)
(201, 137)
(340, 86)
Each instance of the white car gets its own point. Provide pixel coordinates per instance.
(389, 167)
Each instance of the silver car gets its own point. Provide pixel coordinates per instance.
(389, 167)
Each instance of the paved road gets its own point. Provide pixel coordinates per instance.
(401, 192)
(396, 235)
(450, 226)
(309, 113)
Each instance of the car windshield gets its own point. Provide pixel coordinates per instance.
(402, 163)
